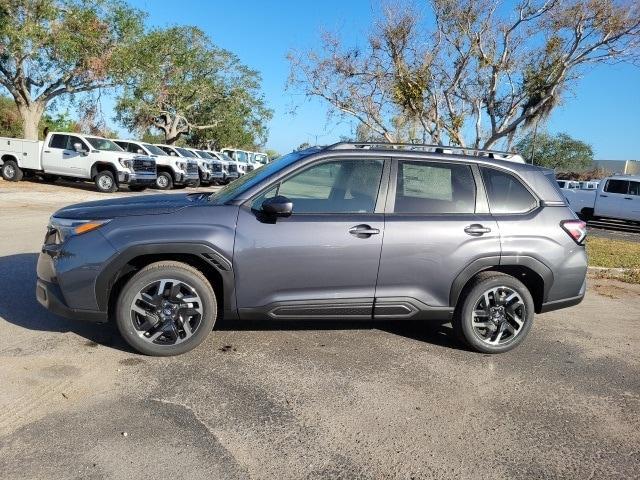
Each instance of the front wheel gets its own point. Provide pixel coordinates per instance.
(164, 181)
(106, 182)
(167, 308)
(11, 172)
(494, 313)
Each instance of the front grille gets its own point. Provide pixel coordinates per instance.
(192, 167)
(249, 168)
(216, 167)
(233, 168)
(144, 165)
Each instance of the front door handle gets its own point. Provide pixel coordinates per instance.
(363, 231)
(476, 230)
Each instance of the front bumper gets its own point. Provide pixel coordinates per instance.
(137, 178)
(50, 296)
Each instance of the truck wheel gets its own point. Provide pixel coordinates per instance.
(11, 172)
(167, 308)
(195, 184)
(105, 182)
(494, 313)
(164, 181)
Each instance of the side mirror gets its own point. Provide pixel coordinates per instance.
(277, 206)
(139, 151)
(77, 147)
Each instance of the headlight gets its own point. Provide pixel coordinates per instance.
(126, 162)
(181, 165)
(66, 228)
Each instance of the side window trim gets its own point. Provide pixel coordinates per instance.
(381, 194)
(522, 182)
(393, 186)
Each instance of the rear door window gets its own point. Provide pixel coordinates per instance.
(434, 188)
(617, 186)
(506, 193)
(634, 188)
(58, 141)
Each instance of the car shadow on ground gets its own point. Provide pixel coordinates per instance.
(18, 305)
(86, 186)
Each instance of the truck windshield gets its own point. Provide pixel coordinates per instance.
(186, 153)
(261, 158)
(204, 154)
(103, 144)
(153, 150)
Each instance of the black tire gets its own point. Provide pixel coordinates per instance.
(164, 181)
(586, 214)
(11, 172)
(463, 315)
(106, 182)
(156, 272)
(137, 188)
(195, 184)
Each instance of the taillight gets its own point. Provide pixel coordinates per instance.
(577, 229)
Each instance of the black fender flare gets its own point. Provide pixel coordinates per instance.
(113, 270)
(486, 263)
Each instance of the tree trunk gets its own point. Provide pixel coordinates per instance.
(31, 115)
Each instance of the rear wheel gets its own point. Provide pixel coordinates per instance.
(167, 308)
(106, 182)
(11, 172)
(494, 313)
(164, 181)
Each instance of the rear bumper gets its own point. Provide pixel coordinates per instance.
(50, 296)
(564, 302)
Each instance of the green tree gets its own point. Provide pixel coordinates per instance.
(185, 85)
(11, 123)
(560, 152)
(272, 154)
(51, 49)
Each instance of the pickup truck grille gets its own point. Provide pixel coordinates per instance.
(144, 165)
(249, 168)
(233, 168)
(216, 167)
(192, 167)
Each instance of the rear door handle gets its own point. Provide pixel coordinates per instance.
(476, 230)
(363, 231)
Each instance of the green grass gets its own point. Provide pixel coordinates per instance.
(608, 253)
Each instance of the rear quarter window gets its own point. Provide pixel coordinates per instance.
(506, 194)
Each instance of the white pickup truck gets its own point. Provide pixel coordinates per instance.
(77, 156)
(616, 197)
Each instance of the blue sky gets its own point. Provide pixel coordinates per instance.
(604, 108)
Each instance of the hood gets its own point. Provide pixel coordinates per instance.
(130, 206)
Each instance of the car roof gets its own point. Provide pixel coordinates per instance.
(635, 178)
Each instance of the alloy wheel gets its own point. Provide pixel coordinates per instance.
(9, 171)
(498, 316)
(105, 182)
(166, 312)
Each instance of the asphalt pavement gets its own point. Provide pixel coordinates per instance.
(312, 400)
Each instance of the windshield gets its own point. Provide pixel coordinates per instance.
(204, 154)
(261, 158)
(153, 150)
(225, 157)
(186, 153)
(104, 144)
(254, 177)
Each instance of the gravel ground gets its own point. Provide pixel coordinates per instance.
(308, 400)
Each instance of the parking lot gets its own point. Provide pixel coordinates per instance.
(308, 400)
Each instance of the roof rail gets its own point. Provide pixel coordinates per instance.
(444, 149)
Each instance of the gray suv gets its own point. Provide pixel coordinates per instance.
(349, 231)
